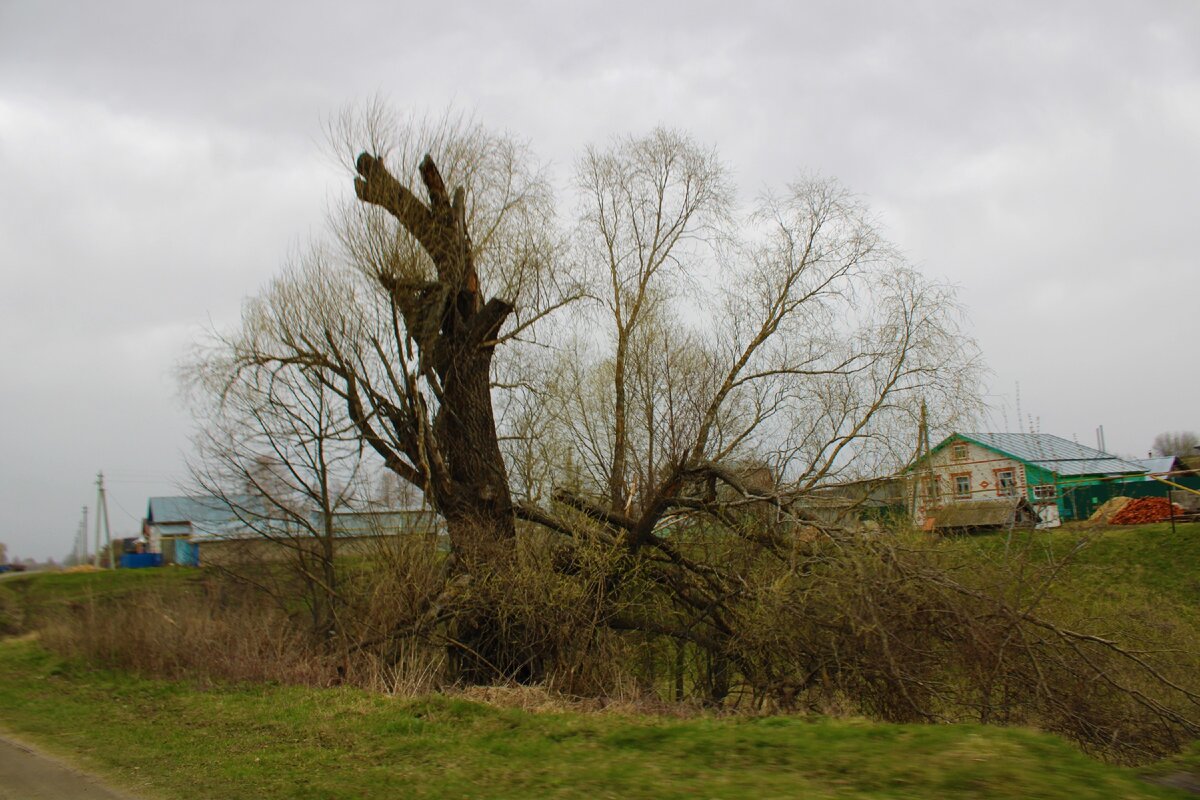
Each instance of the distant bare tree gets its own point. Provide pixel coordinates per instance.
(1177, 443)
(276, 447)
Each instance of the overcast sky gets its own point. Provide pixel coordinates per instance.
(158, 161)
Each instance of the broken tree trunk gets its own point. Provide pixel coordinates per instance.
(457, 453)
(454, 330)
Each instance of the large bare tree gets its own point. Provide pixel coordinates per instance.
(645, 481)
(707, 368)
(722, 382)
(460, 262)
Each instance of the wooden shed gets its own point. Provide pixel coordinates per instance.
(985, 514)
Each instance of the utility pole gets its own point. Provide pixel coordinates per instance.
(102, 509)
(923, 473)
(81, 540)
(930, 478)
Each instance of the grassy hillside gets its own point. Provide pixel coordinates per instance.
(1148, 556)
(28, 597)
(1144, 556)
(177, 741)
(1119, 576)
(50, 587)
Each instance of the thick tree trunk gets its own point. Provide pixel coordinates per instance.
(478, 505)
(453, 329)
(460, 466)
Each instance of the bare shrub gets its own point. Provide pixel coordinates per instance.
(545, 613)
(395, 593)
(915, 632)
(551, 609)
(402, 610)
(215, 632)
(232, 628)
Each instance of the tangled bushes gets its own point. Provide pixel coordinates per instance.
(894, 629)
(910, 634)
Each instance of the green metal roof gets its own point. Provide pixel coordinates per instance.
(1051, 453)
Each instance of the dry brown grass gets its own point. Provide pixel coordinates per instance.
(208, 634)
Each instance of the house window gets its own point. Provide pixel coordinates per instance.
(933, 488)
(1044, 491)
(1006, 484)
(962, 486)
(959, 452)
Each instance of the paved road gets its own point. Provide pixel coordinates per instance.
(26, 774)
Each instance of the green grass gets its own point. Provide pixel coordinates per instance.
(26, 599)
(174, 740)
(53, 587)
(1149, 556)
(1118, 570)
(1144, 556)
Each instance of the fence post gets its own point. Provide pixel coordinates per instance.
(1171, 505)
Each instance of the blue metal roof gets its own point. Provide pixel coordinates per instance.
(203, 509)
(1159, 466)
(1054, 453)
(346, 525)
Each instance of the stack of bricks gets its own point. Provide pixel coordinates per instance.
(1147, 509)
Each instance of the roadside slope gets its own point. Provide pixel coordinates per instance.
(179, 741)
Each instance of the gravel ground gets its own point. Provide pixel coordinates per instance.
(26, 774)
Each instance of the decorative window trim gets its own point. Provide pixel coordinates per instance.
(954, 476)
(959, 451)
(1011, 489)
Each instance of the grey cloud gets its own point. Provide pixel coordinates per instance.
(160, 160)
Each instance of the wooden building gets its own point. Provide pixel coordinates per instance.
(1044, 469)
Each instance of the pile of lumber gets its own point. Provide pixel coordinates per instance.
(1147, 509)
(1109, 509)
